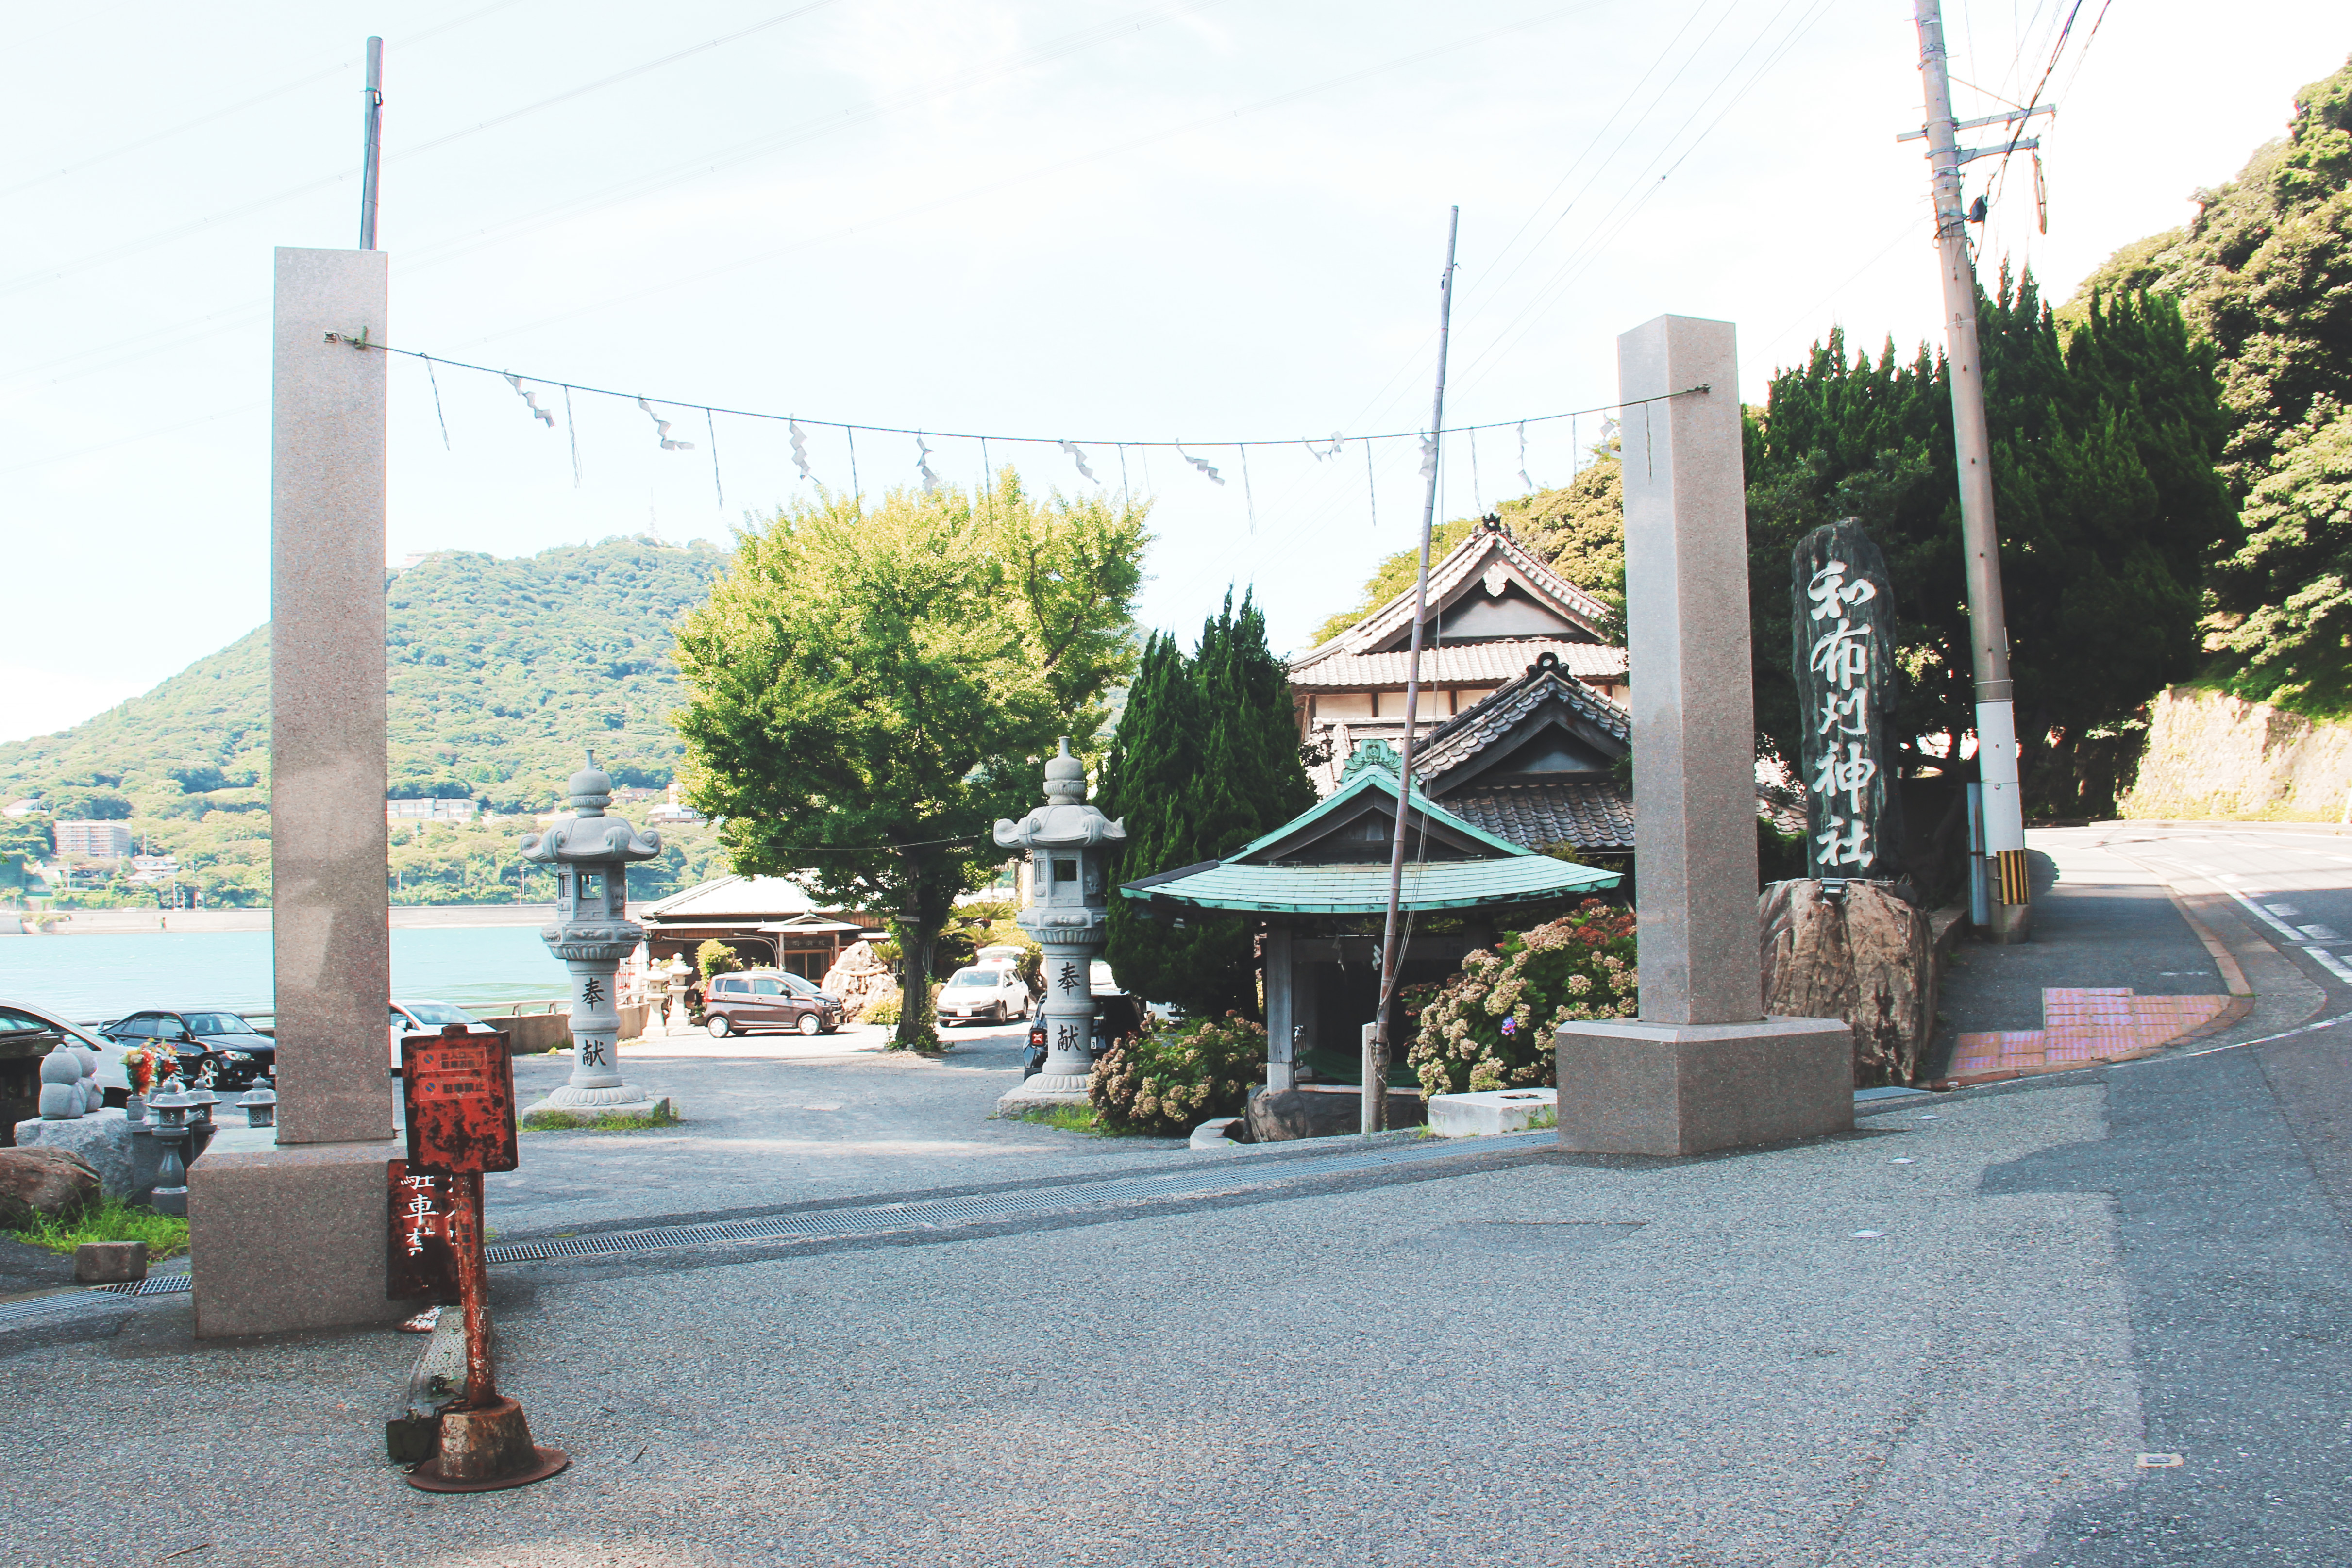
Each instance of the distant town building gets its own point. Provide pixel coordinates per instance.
(428, 811)
(94, 841)
(672, 811)
(25, 808)
(154, 868)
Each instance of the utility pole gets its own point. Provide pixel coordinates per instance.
(1376, 1053)
(2004, 815)
(371, 165)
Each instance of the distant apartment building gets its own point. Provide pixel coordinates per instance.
(154, 868)
(94, 841)
(429, 810)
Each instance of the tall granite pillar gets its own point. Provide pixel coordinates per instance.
(295, 1238)
(1702, 1068)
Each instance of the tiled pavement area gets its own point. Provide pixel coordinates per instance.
(2087, 1024)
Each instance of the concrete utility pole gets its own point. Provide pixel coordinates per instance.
(1377, 1045)
(2004, 813)
(370, 165)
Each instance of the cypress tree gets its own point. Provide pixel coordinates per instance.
(1206, 759)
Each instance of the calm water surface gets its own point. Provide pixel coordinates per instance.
(104, 977)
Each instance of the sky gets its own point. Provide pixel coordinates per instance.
(1102, 221)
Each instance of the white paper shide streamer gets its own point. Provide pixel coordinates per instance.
(531, 401)
(799, 449)
(1429, 456)
(1202, 465)
(923, 466)
(1523, 457)
(661, 430)
(1079, 458)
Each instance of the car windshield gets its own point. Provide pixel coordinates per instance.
(216, 1023)
(438, 1013)
(975, 978)
(799, 984)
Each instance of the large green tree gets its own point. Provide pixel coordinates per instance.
(1205, 758)
(2265, 271)
(871, 688)
(2105, 443)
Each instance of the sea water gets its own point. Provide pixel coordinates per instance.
(103, 976)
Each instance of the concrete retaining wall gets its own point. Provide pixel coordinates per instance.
(2211, 755)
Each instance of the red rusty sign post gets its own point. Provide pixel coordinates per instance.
(458, 1090)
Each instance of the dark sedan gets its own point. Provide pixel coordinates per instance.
(216, 1048)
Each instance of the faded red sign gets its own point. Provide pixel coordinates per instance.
(459, 1092)
(421, 1259)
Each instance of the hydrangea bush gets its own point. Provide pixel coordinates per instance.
(1490, 1026)
(1170, 1077)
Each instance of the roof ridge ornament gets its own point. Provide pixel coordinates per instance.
(1374, 754)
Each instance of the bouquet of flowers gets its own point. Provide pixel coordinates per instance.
(148, 1065)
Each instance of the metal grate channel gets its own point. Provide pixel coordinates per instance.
(883, 1219)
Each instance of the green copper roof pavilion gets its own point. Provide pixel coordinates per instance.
(1319, 884)
(1333, 860)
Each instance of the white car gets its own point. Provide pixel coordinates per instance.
(990, 993)
(31, 1033)
(426, 1018)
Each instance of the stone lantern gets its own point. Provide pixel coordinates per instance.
(591, 852)
(1069, 900)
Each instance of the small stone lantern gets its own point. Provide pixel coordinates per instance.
(171, 1105)
(591, 852)
(1068, 841)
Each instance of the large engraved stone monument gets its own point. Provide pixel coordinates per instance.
(1702, 1068)
(590, 851)
(1842, 624)
(1067, 839)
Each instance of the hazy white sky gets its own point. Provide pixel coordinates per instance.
(1125, 219)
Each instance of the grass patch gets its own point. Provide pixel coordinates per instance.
(1071, 1119)
(1544, 1120)
(610, 1122)
(166, 1235)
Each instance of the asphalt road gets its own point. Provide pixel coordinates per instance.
(1949, 1339)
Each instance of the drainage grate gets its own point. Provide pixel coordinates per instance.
(940, 1213)
(883, 1219)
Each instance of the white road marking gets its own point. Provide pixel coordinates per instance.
(2283, 910)
(2323, 932)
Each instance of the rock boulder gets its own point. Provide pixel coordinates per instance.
(1863, 957)
(44, 1183)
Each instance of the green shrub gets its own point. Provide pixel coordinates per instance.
(882, 1009)
(1490, 1026)
(715, 957)
(1172, 1076)
(113, 1220)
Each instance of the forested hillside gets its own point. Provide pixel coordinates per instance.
(2265, 273)
(500, 673)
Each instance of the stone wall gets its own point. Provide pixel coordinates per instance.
(2212, 756)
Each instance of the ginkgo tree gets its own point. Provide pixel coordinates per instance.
(873, 687)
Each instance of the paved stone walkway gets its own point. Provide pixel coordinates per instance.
(2084, 1025)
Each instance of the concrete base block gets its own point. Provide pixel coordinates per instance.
(641, 1106)
(102, 1137)
(1044, 1091)
(110, 1262)
(1685, 1089)
(2011, 923)
(1216, 1134)
(1490, 1111)
(293, 1238)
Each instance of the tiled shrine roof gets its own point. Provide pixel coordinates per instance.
(1593, 815)
(1463, 664)
(1449, 745)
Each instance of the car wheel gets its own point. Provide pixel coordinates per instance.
(719, 1027)
(810, 1023)
(1000, 1016)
